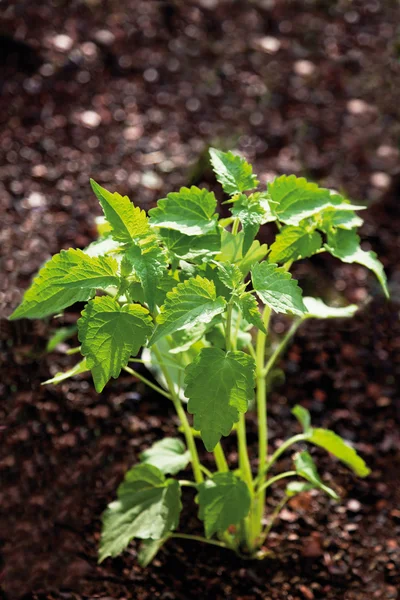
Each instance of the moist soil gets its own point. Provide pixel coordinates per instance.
(132, 93)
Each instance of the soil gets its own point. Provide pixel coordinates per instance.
(132, 94)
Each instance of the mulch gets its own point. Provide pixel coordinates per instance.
(132, 93)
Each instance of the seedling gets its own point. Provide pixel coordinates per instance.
(190, 295)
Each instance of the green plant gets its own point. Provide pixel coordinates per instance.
(185, 286)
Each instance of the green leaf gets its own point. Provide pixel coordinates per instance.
(149, 550)
(190, 211)
(230, 275)
(232, 171)
(231, 247)
(147, 507)
(346, 246)
(317, 309)
(192, 248)
(110, 335)
(81, 367)
(255, 254)
(337, 446)
(60, 335)
(251, 215)
(224, 500)
(193, 301)
(297, 487)
(150, 265)
(249, 307)
(305, 467)
(294, 243)
(169, 455)
(298, 199)
(69, 277)
(103, 246)
(276, 288)
(127, 221)
(219, 386)
(345, 219)
(303, 417)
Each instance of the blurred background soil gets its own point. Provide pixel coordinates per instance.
(132, 93)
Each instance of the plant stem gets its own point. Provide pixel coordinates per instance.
(281, 346)
(206, 471)
(185, 483)
(277, 478)
(261, 396)
(244, 462)
(300, 437)
(197, 538)
(187, 430)
(228, 326)
(220, 459)
(235, 226)
(149, 383)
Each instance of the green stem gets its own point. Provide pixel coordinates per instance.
(197, 538)
(206, 471)
(147, 382)
(187, 430)
(235, 226)
(261, 397)
(277, 478)
(220, 459)
(281, 347)
(300, 437)
(228, 326)
(244, 462)
(185, 483)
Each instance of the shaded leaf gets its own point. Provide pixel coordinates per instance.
(306, 468)
(150, 265)
(110, 335)
(149, 550)
(294, 243)
(192, 248)
(219, 386)
(249, 307)
(191, 302)
(251, 215)
(224, 500)
(147, 507)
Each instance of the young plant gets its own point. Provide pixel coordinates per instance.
(184, 287)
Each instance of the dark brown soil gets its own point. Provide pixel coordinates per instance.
(309, 87)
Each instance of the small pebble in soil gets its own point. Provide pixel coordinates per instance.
(62, 42)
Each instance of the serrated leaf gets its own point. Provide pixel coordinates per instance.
(224, 500)
(294, 243)
(169, 455)
(346, 246)
(230, 275)
(276, 288)
(127, 222)
(251, 215)
(147, 507)
(192, 248)
(190, 211)
(344, 219)
(303, 417)
(333, 443)
(317, 309)
(249, 307)
(191, 302)
(110, 335)
(232, 171)
(298, 199)
(150, 265)
(183, 339)
(80, 367)
(255, 254)
(306, 468)
(69, 277)
(297, 487)
(219, 386)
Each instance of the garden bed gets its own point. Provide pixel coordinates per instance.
(64, 449)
